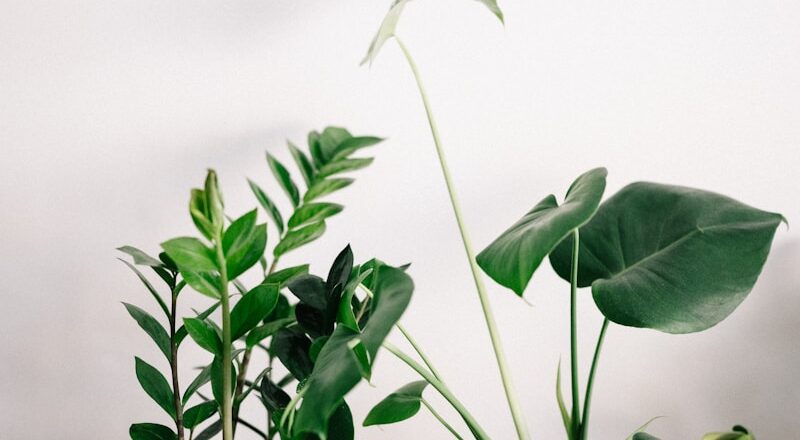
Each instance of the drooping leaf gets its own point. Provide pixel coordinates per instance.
(291, 346)
(268, 205)
(313, 213)
(139, 257)
(149, 287)
(295, 239)
(243, 244)
(515, 255)
(326, 186)
(670, 258)
(254, 306)
(152, 327)
(335, 372)
(398, 406)
(156, 386)
(273, 396)
(190, 254)
(344, 166)
(198, 414)
(385, 31)
(151, 431)
(284, 179)
(283, 276)
(264, 331)
(204, 334)
(353, 144)
(202, 378)
(303, 164)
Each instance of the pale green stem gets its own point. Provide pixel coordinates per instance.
(576, 403)
(227, 406)
(290, 407)
(505, 375)
(442, 388)
(441, 419)
(589, 385)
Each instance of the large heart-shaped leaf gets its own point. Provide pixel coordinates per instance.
(513, 257)
(398, 406)
(336, 371)
(670, 258)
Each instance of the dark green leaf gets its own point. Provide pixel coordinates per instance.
(513, 257)
(198, 414)
(291, 346)
(340, 425)
(285, 179)
(362, 357)
(644, 436)
(344, 165)
(204, 334)
(202, 378)
(316, 347)
(156, 386)
(268, 205)
(326, 186)
(216, 378)
(299, 237)
(385, 31)
(340, 270)
(398, 406)
(152, 327)
(313, 213)
(314, 147)
(353, 144)
(670, 258)
(209, 433)
(254, 306)
(151, 431)
(140, 257)
(282, 310)
(346, 315)
(149, 287)
(310, 289)
(264, 331)
(312, 320)
(330, 139)
(335, 372)
(190, 254)
(303, 164)
(273, 396)
(283, 276)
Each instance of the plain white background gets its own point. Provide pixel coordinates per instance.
(111, 110)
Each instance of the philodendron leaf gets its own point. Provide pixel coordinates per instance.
(385, 31)
(398, 406)
(670, 258)
(336, 372)
(268, 205)
(204, 334)
(254, 306)
(295, 239)
(152, 327)
(243, 244)
(313, 213)
(284, 179)
(326, 186)
(513, 257)
(198, 414)
(151, 431)
(141, 258)
(156, 386)
(738, 432)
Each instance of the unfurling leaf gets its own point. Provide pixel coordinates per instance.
(670, 258)
(398, 406)
(156, 386)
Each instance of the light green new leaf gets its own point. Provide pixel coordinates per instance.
(198, 414)
(513, 257)
(141, 258)
(215, 212)
(385, 31)
(268, 205)
(313, 213)
(152, 327)
(156, 386)
(398, 406)
(303, 164)
(344, 165)
(284, 179)
(199, 213)
(326, 186)
(336, 371)
(670, 258)
(353, 144)
(204, 334)
(190, 254)
(243, 244)
(738, 432)
(206, 283)
(299, 237)
(151, 431)
(254, 306)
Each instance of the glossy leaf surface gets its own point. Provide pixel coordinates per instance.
(204, 334)
(254, 306)
(152, 327)
(155, 385)
(398, 406)
(199, 414)
(151, 431)
(268, 205)
(243, 244)
(284, 179)
(295, 239)
(313, 213)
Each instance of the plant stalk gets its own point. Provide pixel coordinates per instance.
(590, 384)
(441, 419)
(505, 375)
(473, 425)
(176, 390)
(573, 331)
(227, 404)
(419, 351)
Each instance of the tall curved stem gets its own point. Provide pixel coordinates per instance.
(505, 375)
(590, 384)
(227, 405)
(573, 332)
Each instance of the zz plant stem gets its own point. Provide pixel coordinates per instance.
(505, 375)
(173, 342)
(227, 407)
(573, 336)
(588, 399)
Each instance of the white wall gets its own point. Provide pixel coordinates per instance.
(111, 110)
